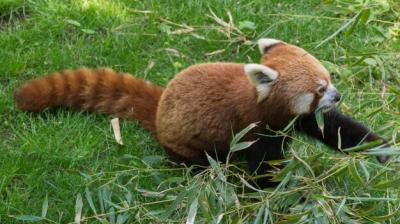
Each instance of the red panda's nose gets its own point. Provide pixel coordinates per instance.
(337, 96)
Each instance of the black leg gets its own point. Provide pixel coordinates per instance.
(352, 133)
(265, 149)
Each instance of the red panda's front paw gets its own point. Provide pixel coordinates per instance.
(384, 158)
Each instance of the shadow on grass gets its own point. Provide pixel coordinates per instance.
(11, 12)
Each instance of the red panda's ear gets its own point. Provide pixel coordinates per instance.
(265, 44)
(261, 77)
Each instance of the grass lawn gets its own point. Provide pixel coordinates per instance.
(59, 166)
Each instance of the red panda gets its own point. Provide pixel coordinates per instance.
(203, 104)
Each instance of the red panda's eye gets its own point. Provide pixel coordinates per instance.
(322, 90)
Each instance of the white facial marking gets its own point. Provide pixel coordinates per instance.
(327, 101)
(261, 77)
(322, 86)
(266, 42)
(301, 104)
(323, 82)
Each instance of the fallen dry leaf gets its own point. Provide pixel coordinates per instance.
(116, 130)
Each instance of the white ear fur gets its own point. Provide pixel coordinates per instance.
(266, 42)
(261, 77)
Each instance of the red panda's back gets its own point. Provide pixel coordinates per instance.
(201, 107)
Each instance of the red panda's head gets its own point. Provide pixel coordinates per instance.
(297, 82)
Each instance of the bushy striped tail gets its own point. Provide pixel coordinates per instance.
(95, 90)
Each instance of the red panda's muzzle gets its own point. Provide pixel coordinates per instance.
(330, 99)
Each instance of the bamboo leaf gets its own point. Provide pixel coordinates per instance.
(101, 195)
(341, 206)
(260, 213)
(45, 206)
(88, 31)
(304, 163)
(288, 168)
(242, 145)
(89, 199)
(216, 167)
(290, 124)
(122, 218)
(236, 138)
(247, 184)
(296, 217)
(361, 199)
(387, 184)
(354, 173)
(319, 117)
(204, 207)
(385, 217)
(365, 170)
(78, 209)
(192, 212)
(73, 22)
(214, 164)
(366, 146)
(282, 183)
(174, 205)
(388, 151)
(31, 218)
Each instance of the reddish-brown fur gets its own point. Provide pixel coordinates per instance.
(101, 90)
(204, 104)
(199, 109)
(299, 73)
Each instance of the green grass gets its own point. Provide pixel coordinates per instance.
(57, 158)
